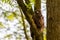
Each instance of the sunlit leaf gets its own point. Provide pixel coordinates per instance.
(44, 35)
(10, 17)
(8, 36)
(3, 0)
(1, 25)
(18, 37)
(32, 1)
(6, 1)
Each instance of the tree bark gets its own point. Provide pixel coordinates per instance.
(35, 32)
(53, 19)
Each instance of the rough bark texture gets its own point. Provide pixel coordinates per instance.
(36, 33)
(53, 23)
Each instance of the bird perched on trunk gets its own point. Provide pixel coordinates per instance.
(38, 19)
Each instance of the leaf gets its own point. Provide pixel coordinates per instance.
(8, 36)
(10, 17)
(6, 1)
(44, 35)
(1, 25)
(32, 1)
(3, 0)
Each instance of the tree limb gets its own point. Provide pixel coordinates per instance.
(29, 14)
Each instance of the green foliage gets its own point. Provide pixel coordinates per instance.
(6, 1)
(8, 36)
(13, 15)
(32, 1)
(29, 5)
(1, 25)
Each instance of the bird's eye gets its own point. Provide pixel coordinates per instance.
(37, 11)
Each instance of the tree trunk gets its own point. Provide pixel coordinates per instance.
(31, 17)
(53, 20)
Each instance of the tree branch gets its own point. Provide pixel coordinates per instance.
(29, 13)
(22, 5)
